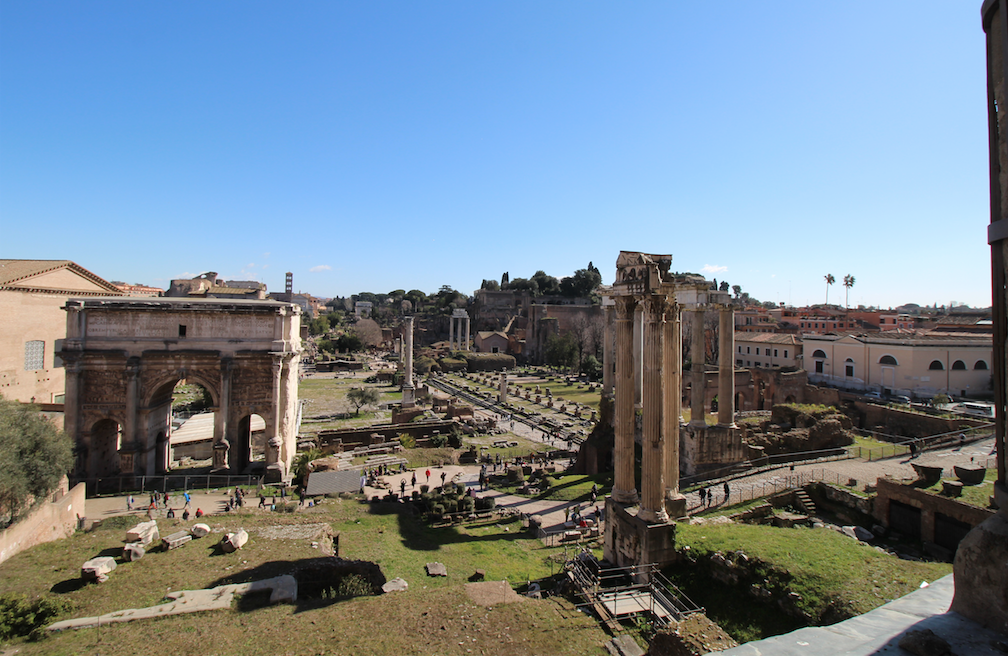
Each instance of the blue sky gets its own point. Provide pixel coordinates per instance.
(371, 146)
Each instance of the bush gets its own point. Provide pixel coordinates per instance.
(19, 617)
(467, 505)
(407, 441)
(439, 441)
(485, 503)
(452, 364)
(437, 511)
(424, 489)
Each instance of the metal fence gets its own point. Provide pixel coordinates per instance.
(170, 482)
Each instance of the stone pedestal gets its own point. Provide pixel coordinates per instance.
(629, 540)
(981, 576)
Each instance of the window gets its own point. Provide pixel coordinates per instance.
(775, 353)
(739, 362)
(740, 349)
(34, 355)
(936, 365)
(819, 353)
(980, 364)
(818, 366)
(785, 353)
(849, 368)
(958, 365)
(181, 330)
(888, 359)
(748, 363)
(495, 349)
(747, 350)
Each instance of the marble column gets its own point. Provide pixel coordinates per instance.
(71, 412)
(638, 354)
(408, 399)
(273, 441)
(607, 351)
(222, 419)
(465, 341)
(451, 333)
(726, 366)
(624, 487)
(652, 507)
(672, 395)
(697, 351)
(130, 447)
(502, 394)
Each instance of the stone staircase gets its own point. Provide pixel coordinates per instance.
(804, 502)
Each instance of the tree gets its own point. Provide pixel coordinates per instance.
(562, 351)
(349, 342)
(848, 282)
(737, 289)
(368, 331)
(582, 283)
(34, 454)
(491, 285)
(547, 284)
(361, 396)
(319, 325)
(829, 281)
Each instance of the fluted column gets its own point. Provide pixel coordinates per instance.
(624, 488)
(638, 351)
(607, 351)
(726, 366)
(697, 369)
(71, 413)
(672, 395)
(465, 341)
(222, 419)
(130, 443)
(451, 333)
(652, 507)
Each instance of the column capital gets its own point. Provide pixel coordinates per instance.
(655, 307)
(625, 306)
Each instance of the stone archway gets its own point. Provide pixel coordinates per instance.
(123, 357)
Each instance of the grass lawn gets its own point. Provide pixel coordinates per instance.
(572, 487)
(878, 449)
(835, 576)
(433, 616)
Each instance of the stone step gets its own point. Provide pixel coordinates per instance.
(803, 500)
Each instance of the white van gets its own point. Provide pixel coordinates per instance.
(977, 409)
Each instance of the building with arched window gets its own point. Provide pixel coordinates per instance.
(916, 364)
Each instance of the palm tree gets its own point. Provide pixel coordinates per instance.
(829, 281)
(848, 282)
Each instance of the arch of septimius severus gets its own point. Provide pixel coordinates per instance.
(123, 357)
(649, 304)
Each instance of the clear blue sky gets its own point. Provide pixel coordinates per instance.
(370, 146)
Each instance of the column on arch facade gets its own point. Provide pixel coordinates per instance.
(222, 420)
(624, 487)
(652, 506)
(726, 366)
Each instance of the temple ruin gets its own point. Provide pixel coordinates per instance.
(644, 310)
(124, 356)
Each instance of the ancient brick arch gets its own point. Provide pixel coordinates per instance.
(124, 356)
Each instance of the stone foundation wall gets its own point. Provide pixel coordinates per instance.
(50, 521)
(329, 439)
(929, 504)
(909, 423)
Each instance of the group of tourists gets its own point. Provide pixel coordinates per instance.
(707, 495)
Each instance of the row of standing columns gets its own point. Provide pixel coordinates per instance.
(458, 340)
(647, 351)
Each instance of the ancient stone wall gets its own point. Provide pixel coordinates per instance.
(929, 504)
(49, 521)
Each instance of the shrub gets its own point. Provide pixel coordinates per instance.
(437, 511)
(467, 504)
(439, 441)
(485, 503)
(20, 617)
(424, 488)
(406, 440)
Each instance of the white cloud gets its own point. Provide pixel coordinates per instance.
(321, 267)
(713, 268)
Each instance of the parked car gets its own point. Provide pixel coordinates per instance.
(873, 395)
(899, 399)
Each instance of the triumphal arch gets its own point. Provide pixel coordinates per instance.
(123, 357)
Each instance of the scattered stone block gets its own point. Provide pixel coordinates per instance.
(176, 540)
(234, 541)
(200, 530)
(97, 569)
(436, 569)
(133, 551)
(144, 533)
(952, 488)
(858, 533)
(395, 585)
(970, 475)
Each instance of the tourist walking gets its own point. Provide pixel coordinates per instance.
(428, 476)
(726, 491)
(413, 481)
